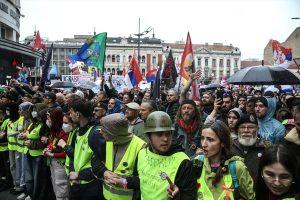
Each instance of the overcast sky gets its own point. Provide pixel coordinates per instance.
(247, 24)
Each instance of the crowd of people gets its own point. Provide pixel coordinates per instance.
(76, 144)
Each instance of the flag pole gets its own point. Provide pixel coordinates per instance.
(179, 84)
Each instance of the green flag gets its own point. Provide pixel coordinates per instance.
(92, 52)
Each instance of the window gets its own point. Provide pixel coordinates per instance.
(108, 69)
(214, 63)
(61, 57)
(199, 61)
(143, 59)
(129, 58)
(113, 71)
(113, 58)
(228, 63)
(206, 62)
(108, 59)
(235, 63)
(2, 33)
(221, 64)
(124, 58)
(154, 60)
(118, 58)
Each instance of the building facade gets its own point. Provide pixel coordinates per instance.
(10, 48)
(215, 61)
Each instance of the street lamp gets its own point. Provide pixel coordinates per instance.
(297, 61)
(139, 36)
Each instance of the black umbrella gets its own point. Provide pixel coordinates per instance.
(263, 75)
(63, 84)
(213, 86)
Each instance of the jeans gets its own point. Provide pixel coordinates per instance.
(12, 167)
(20, 169)
(36, 177)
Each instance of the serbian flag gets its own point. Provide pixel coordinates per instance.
(282, 56)
(150, 76)
(134, 75)
(38, 42)
(187, 67)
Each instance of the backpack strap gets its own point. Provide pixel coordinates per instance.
(233, 174)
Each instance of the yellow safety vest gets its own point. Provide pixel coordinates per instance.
(34, 135)
(69, 141)
(205, 193)
(83, 153)
(150, 165)
(124, 169)
(12, 135)
(20, 128)
(3, 145)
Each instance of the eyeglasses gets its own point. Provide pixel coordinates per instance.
(247, 127)
(270, 177)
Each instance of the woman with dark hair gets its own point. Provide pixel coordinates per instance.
(277, 175)
(233, 117)
(56, 155)
(223, 176)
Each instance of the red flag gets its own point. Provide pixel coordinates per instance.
(186, 66)
(38, 42)
(134, 66)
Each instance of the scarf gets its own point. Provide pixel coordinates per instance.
(189, 128)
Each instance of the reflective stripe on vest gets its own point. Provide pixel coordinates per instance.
(149, 167)
(82, 153)
(12, 135)
(205, 193)
(3, 146)
(124, 169)
(34, 134)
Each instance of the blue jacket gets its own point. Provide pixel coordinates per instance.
(269, 128)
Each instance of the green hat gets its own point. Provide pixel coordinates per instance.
(158, 121)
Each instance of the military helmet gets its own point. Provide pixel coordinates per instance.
(158, 121)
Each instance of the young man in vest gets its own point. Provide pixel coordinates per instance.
(164, 170)
(84, 185)
(122, 148)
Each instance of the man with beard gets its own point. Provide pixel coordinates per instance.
(207, 102)
(188, 127)
(248, 145)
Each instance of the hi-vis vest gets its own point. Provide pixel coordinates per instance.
(82, 153)
(12, 135)
(3, 145)
(34, 134)
(204, 191)
(20, 128)
(69, 142)
(150, 165)
(124, 169)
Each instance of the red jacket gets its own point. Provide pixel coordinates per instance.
(58, 151)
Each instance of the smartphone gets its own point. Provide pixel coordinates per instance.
(220, 95)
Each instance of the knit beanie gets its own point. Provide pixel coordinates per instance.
(116, 127)
(262, 100)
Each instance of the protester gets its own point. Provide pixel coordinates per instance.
(188, 127)
(55, 154)
(146, 108)
(136, 125)
(172, 104)
(208, 102)
(233, 117)
(50, 100)
(99, 111)
(114, 106)
(269, 128)
(216, 179)
(277, 175)
(248, 145)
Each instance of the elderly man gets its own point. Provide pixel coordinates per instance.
(136, 125)
(146, 108)
(188, 127)
(60, 99)
(248, 145)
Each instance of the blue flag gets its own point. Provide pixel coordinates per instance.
(92, 52)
